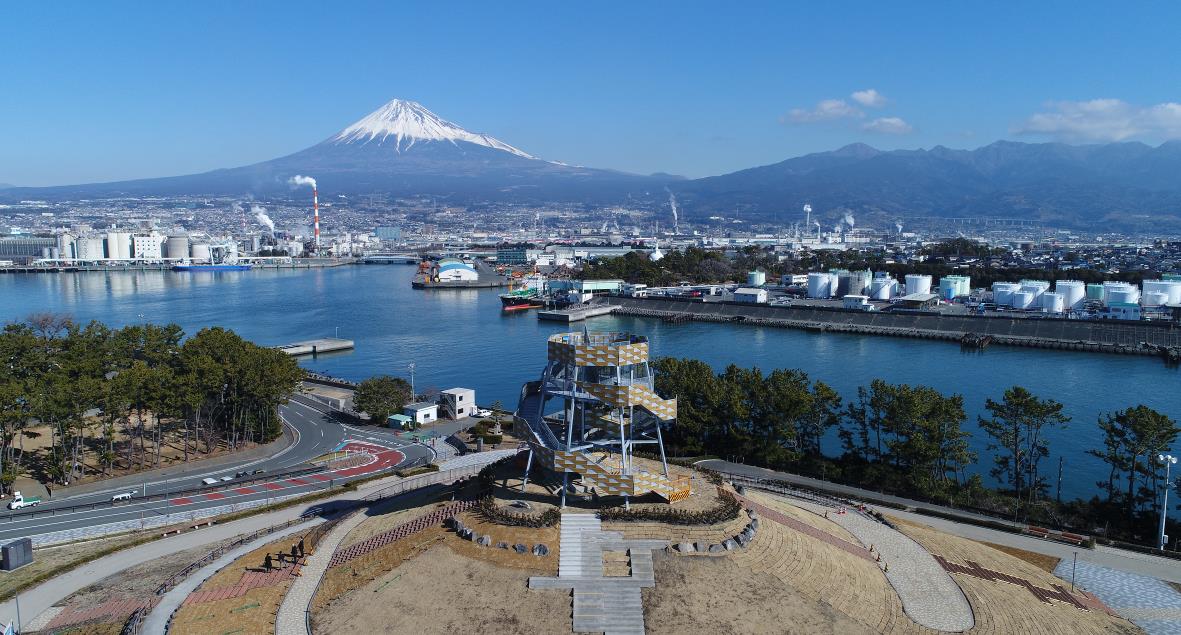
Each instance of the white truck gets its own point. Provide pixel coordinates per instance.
(19, 501)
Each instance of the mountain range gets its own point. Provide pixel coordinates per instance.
(403, 149)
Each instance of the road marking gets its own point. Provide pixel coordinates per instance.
(181, 501)
(214, 496)
(244, 491)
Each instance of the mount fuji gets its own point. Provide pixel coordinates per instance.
(401, 149)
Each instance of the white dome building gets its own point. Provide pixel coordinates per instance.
(656, 253)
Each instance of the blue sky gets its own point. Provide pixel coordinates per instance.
(102, 91)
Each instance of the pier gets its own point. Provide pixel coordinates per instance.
(576, 314)
(315, 347)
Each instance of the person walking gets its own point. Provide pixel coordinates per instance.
(267, 563)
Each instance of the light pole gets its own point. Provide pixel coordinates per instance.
(1169, 460)
(411, 368)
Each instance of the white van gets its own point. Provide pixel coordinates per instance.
(209, 481)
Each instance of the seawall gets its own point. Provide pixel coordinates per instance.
(1104, 336)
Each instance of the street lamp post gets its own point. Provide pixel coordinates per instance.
(411, 367)
(1169, 460)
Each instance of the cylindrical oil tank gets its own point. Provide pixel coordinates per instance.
(1002, 292)
(1053, 302)
(819, 285)
(1023, 299)
(1095, 292)
(859, 281)
(1073, 292)
(756, 278)
(917, 283)
(1156, 298)
(883, 288)
(1121, 295)
(118, 245)
(1171, 289)
(177, 247)
(201, 252)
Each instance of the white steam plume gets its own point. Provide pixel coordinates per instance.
(260, 214)
(672, 202)
(898, 226)
(298, 180)
(848, 219)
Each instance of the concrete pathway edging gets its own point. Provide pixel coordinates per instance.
(159, 619)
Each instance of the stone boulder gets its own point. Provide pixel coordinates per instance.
(502, 545)
(685, 547)
(742, 540)
(540, 550)
(729, 544)
(700, 546)
(716, 548)
(484, 540)
(519, 548)
(754, 523)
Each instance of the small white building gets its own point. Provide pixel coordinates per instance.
(422, 412)
(857, 303)
(458, 403)
(751, 296)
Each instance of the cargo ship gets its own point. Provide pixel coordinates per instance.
(521, 299)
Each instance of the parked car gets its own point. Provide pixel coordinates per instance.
(122, 496)
(208, 481)
(256, 472)
(482, 412)
(227, 477)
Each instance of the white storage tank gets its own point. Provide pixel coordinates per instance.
(756, 278)
(200, 252)
(1171, 289)
(917, 283)
(1095, 292)
(177, 247)
(1121, 295)
(118, 245)
(1156, 298)
(820, 285)
(855, 282)
(1002, 292)
(883, 288)
(1053, 302)
(1073, 292)
(91, 249)
(954, 286)
(1023, 299)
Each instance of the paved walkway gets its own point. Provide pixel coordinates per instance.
(157, 621)
(929, 596)
(1149, 603)
(292, 619)
(602, 604)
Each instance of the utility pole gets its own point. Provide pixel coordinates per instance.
(413, 393)
(1169, 460)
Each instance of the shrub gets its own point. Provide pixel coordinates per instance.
(490, 511)
(727, 508)
(492, 439)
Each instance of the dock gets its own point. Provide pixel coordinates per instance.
(576, 314)
(315, 347)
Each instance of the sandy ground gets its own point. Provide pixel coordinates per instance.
(718, 595)
(48, 558)
(443, 592)
(1039, 560)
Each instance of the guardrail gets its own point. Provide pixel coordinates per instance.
(220, 486)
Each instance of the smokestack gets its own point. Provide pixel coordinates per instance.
(316, 216)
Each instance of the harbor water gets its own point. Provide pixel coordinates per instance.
(460, 337)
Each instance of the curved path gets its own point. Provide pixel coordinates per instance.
(158, 618)
(929, 596)
(291, 618)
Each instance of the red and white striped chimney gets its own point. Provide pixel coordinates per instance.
(316, 217)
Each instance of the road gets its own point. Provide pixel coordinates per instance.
(317, 429)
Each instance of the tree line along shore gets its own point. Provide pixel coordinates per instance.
(914, 441)
(128, 399)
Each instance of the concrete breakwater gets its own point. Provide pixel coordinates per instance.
(1162, 340)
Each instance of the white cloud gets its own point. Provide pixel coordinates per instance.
(827, 110)
(1104, 120)
(888, 125)
(869, 98)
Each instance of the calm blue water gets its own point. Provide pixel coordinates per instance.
(460, 338)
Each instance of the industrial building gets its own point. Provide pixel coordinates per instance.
(421, 412)
(455, 270)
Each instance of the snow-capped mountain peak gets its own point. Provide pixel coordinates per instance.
(407, 122)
